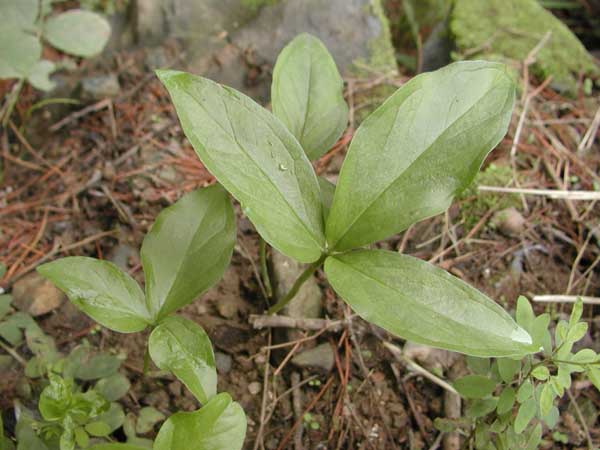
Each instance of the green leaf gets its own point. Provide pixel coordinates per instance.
(78, 32)
(327, 192)
(508, 368)
(19, 51)
(546, 399)
(307, 95)
(5, 306)
(425, 304)
(182, 347)
(481, 407)
(479, 366)
(149, 416)
(474, 386)
(56, 398)
(219, 425)
(525, 391)
(525, 317)
(577, 332)
(26, 436)
(541, 373)
(418, 150)
(256, 158)
(39, 75)
(593, 373)
(97, 366)
(187, 249)
(19, 13)
(113, 387)
(585, 356)
(551, 419)
(539, 330)
(113, 417)
(81, 437)
(97, 429)
(506, 400)
(526, 412)
(101, 290)
(534, 439)
(576, 312)
(116, 447)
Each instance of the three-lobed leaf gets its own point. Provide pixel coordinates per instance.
(187, 249)
(182, 347)
(101, 290)
(418, 150)
(307, 94)
(256, 159)
(78, 32)
(420, 302)
(218, 425)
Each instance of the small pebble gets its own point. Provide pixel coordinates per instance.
(254, 387)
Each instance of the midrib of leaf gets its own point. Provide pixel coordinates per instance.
(421, 155)
(394, 289)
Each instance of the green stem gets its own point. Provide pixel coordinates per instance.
(11, 102)
(263, 268)
(297, 285)
(146, 360)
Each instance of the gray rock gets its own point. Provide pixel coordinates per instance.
(223, 362)
(307, 302)
(36, 295)
(509, 222)
(236, 45)
(100, 87)
(254, 387)
(122, 254)
(320, 357)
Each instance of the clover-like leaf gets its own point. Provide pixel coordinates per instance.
(187, 249)
(418, 150)
(182, 347)
(307, 94)
(526, 412)
(19, 51)
(256, 159)
(474, 386)
(218, 425)
(101, 290)
(422, 303)
(78, 32)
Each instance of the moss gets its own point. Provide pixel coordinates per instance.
(512, 28)
(255, 5)
(475, 204)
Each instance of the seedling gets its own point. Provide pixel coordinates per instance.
(185, 252)
(406, 162)
(509, 400)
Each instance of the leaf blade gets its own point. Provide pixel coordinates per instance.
(256, 159)
(187, 249)
(418, 150)
(306, 94)
(182, 347)
(219, 425)
(425, 304)
(78, 32)
(101, 290)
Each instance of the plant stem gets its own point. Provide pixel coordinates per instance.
(297, 285)
(146, 360)
(263, 268)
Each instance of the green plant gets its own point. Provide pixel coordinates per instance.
(185, 252)
(25, 23)
(406, 162)
(509, 399)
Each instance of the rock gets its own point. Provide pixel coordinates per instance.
(254, 387)
(307, 302)
(223, 362)
(100, 87)
(432, 359)
(36, 295)
(320, 357)
(122, 255)
(509, 221)
(510, 29)
(236, 44)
